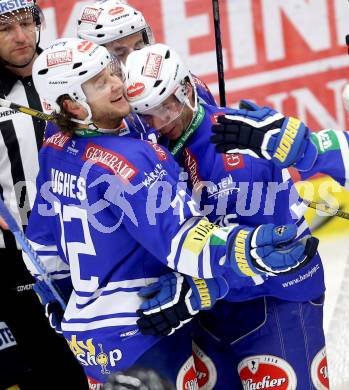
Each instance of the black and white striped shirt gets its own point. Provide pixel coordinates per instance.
(20, 139)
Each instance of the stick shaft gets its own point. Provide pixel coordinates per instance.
(27, 110)
(219, 52)
(326, 209)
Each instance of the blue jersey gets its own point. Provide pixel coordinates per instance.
(245, 190)
(110, 213)
(204, 94)
(333, 156)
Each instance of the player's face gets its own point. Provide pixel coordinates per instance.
(105, 96)
(17, 38)
(121, 48)
(171, 118)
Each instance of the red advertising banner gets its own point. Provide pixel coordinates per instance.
(287, 54)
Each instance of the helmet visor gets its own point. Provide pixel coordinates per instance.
(122, 47)
(165, 113)
(116, 67)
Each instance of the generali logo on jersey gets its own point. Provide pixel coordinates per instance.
(90, 15)
(153, 65)
(319, 371)
(192, 167)
(57, 141)
(110, 160)
(266, 372)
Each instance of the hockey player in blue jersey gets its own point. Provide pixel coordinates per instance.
(276, 338)
(111, 217)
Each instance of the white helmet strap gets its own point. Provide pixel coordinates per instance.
(183, 96)
(88, 120)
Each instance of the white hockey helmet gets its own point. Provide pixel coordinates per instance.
(109, 20)
(64, 66)
(154, 73)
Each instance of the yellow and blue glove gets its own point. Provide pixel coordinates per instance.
(174, 300)
(268, 249)
(262, 132)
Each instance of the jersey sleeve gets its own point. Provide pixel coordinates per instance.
(50, 130)
(204, 94)
(43, 242)
(161, 215)
(333, 156)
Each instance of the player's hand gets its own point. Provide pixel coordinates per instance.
(174, 300)
(268, 249)
(264, 133)
(53, 309)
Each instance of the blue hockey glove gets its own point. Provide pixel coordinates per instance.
(53, 309)
(268, 249)
(264, 133)
(174, 300)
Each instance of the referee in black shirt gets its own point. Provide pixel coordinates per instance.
(32, 356)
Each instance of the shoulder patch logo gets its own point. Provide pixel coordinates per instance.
(325, 140)
(233, 161)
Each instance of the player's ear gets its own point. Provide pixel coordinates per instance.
(74, 108)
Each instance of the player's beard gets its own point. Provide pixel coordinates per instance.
(110, 119)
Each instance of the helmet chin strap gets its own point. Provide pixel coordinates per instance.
(88, 120)
(194, 107)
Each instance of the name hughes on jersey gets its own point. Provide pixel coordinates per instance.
(69, 185)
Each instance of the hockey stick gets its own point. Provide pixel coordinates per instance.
(326, 209)
(219, 53)
(28, 249)
(27, 110)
